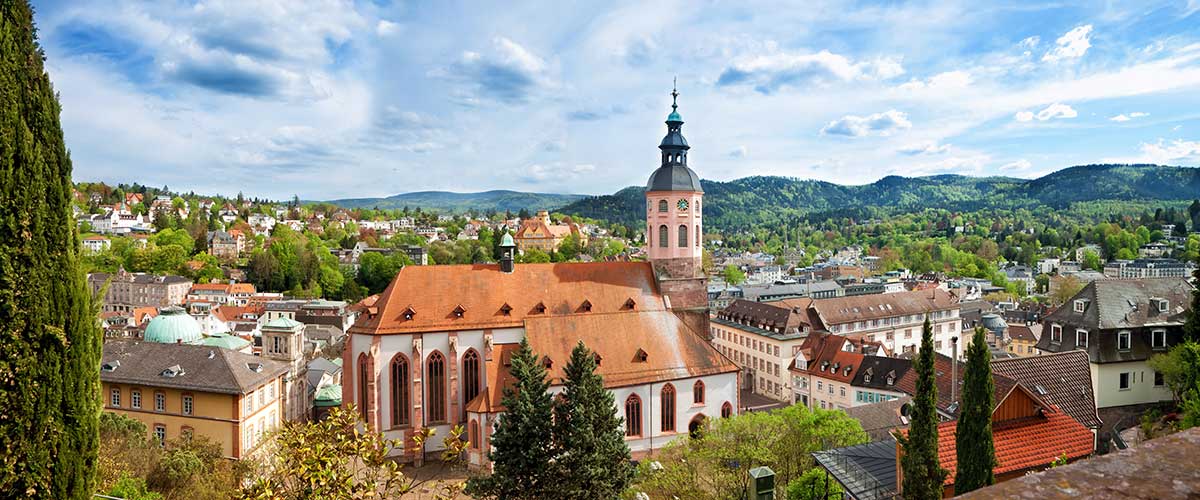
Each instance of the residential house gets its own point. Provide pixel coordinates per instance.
(95, 243)
(1121, 324)
(129, 291)
(762, 339)
(1023, 339)
(227, 246)
(229, 397)
(894, 319)
(1148, 268)
(540, 233)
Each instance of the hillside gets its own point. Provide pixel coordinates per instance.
(445, 201)
(741, 203)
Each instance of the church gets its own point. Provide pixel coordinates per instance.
(434, 349)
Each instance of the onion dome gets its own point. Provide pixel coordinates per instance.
(173, 325)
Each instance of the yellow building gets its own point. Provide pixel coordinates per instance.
(1022, 340)
(543, 235)
(228, 396)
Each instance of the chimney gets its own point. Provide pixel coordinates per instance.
(954, 371)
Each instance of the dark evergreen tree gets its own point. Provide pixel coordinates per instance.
(523, 449)
(923, 474)
(593, 462)
(49, 338)
(973, 435)
(1191, 326)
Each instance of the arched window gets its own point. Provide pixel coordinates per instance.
(649, 236)
(473, 435)
(698, 393)
(401, 385)
(726, 410)
(633, 415)
(364, 376)
(696, 238)
(683, 236)
(668, 408)
(662, 205)
(435, 373)
(470, 381)
(663, 235)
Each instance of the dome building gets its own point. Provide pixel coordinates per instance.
(173, 325)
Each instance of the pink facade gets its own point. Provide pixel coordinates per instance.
(674, 225)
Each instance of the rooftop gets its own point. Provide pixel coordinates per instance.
(189, 367)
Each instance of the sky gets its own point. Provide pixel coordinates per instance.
(332, 99)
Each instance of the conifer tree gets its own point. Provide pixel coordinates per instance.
(976, 454)
(594, 459)
(49, 337)
(923, 474)
(523, 450)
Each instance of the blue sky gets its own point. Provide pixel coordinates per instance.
(332, 99)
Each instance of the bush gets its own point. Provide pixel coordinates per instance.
(132, 488)
(814, 484)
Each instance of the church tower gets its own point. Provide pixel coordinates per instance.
(674, 221)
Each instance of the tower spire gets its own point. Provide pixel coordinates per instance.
(674, 93)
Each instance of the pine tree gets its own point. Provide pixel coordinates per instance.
(594, 459)
(49, 339)
(1191, 327)
(523, 449)
(923, 475)
(973, 436)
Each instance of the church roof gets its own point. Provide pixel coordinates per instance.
(674, 178)
(425, 298)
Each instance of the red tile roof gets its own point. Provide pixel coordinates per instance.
(943, 370)
(530, 291)
(490, 398)
(1028, 443)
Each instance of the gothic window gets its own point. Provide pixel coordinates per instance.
(697, 233)
(471, 383)
(726, 410)
(683, 241)
(473, 435)
(698, 393)
(662, 205)
(668, 408)
(363, 377)
(633, 415)
(435, 373)
(400, 385)
(663, 235)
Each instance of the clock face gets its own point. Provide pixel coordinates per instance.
(682, 205)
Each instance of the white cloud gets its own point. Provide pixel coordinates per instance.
(1072, 45)
(1177, 151)
(385, 28)
(924, 148)
(1030, 43)
(1018, 166)
(1056, 110)
(509, 73)
(885, 123)
(950, 80)
(556, 171)
(1126, 117)
(767, 73)
(738, 152)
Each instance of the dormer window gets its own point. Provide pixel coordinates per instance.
(111, 366)
(409, 313)
(540, 308)
(630, 304)
(173, 371)
(586, 306)
(1163, 305)
(1123, 341)
(1080, 305)
(640, 356)
(547, 363)
(459, 311)
(1081, 338)
(596, 357)
(867, 376)
(891, 379)
(506, 309)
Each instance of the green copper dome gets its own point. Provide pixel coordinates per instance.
(282, 323)
(226, 341)
(173, 325)
(674, 117)
(507, 241)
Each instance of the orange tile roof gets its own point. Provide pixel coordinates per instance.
(673, 350)
(433, 292)
(247, 288)
(364, 305)
(234, 313)
(1028, 443)
(142, 313)
(215, 287)
(490, 399)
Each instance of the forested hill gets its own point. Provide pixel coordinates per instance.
(444, 201)
(742, 203)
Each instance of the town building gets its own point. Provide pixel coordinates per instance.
(540, 233)
(826, 367)
(893, 319)
(229, 293)
(1023, 339)
(95, 244)
(229, 397)
(762, 339)
(227, 246)
(1147, 268)
(283, 341)
(1121, 324)
(434, 350)
(128, 291)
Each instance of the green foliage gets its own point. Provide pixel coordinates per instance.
(533, 256)
(923, 475)
(132, 488)
(976, 453)
(523, 449)
(716, 464)
(377, 270)
(593, 459)
(49, 339)
(814, 484)
(1181, 372)
(569, 249)
(1092, 261)
(334, 459)
(733, 275)
(1191, 326)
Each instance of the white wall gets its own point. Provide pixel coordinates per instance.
(1106, 383)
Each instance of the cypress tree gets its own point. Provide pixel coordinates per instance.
(523, 450)
(1191, 327)
(923, 475)
(49, 336)
(594, 459)
(973, 436)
